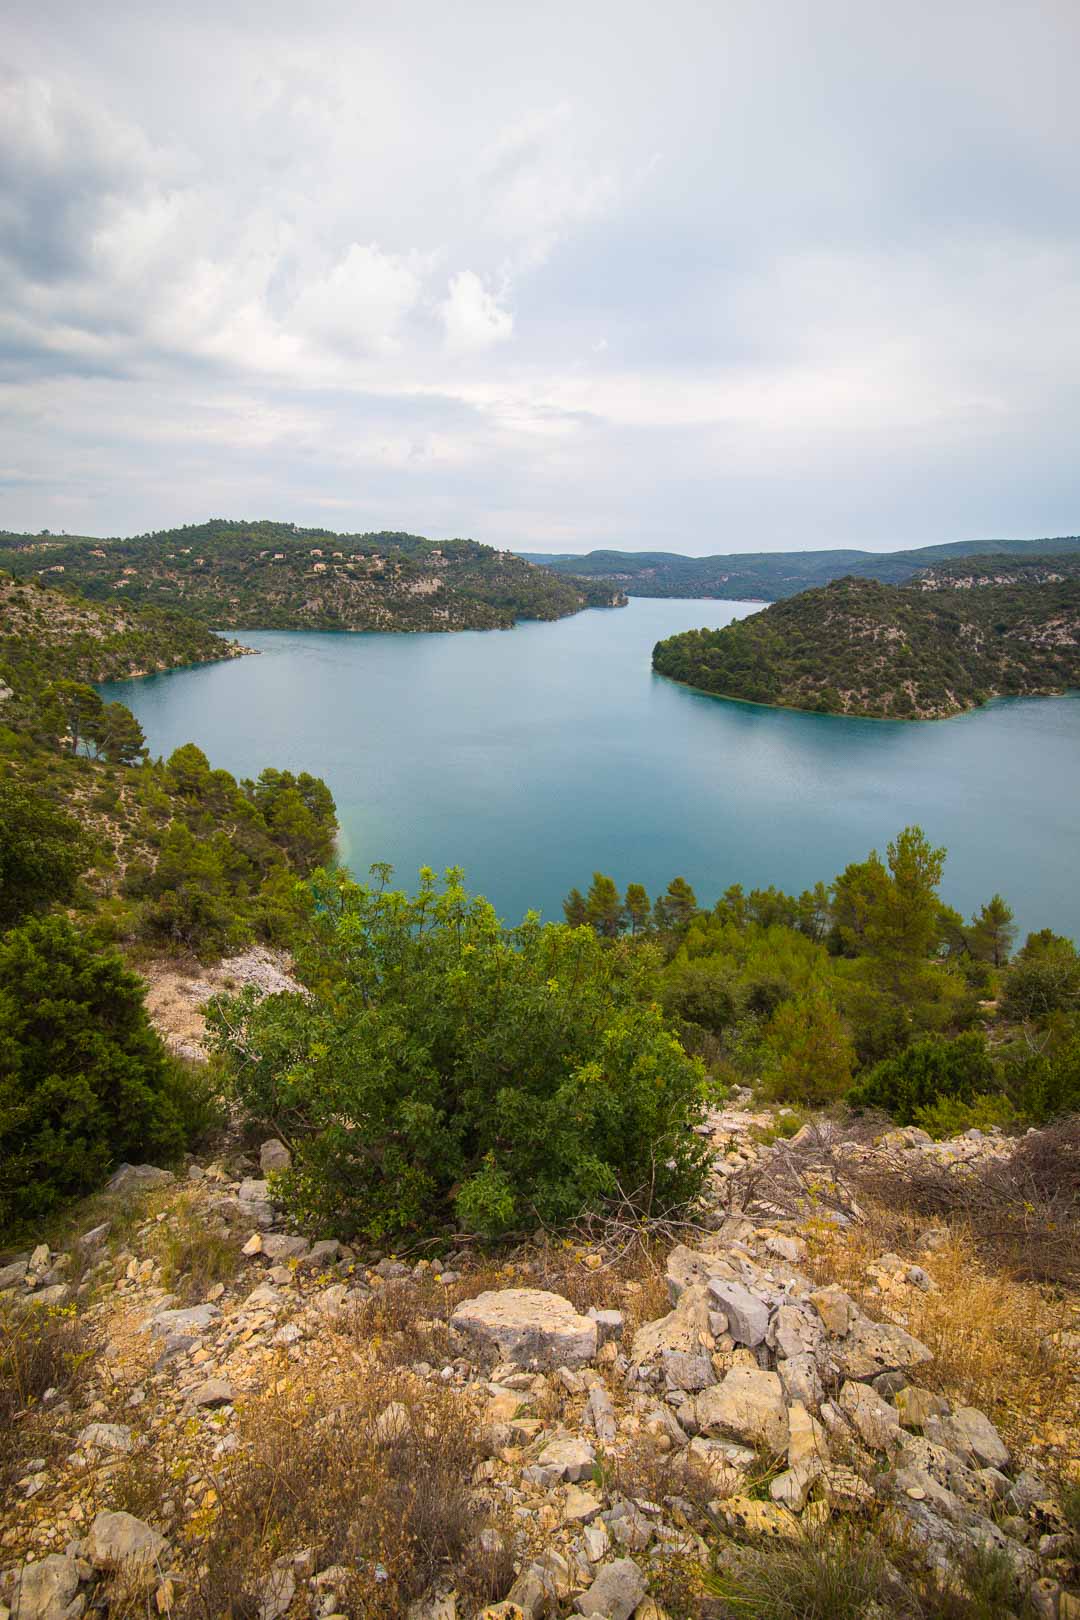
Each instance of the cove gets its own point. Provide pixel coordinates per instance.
(534, 756)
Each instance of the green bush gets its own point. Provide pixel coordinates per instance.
(948, 1116)
(42, 852)
(444, 1066)
(83, 1077)
(1044, 979)
(924, 1072)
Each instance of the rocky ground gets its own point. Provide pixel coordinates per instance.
(258, 1424)
(175, 999)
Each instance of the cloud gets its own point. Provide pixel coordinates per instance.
(437, 275)
(473, 317)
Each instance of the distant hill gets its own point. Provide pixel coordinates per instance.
(264, 575)
(858, 647)
(771, 575)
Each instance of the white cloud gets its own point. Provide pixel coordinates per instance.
(361, 302)
(472, 317)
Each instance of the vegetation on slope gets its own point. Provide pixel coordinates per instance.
(771, 575)
(861, 648)
(47, 630)
(276, 576)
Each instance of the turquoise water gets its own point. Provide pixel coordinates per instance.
(532, 757)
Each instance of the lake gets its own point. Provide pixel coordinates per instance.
(534, 756)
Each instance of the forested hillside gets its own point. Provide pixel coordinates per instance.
(862, 648)
(277, 576)
(769, 576)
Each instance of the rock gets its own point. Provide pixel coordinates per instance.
(969, 1432)
(95, 1237)
(615, 1593)
(50, 1298)
(253, 1191)
(600, 1414)
(807, 1439)
(14, 1274)
(276, 1592)
(120, 1541)
(877, 1422)
(392, 1424)
(277, 1246)
(836, 1309)
(747, 1316)
(609, 1325)
(47, 1590)
(791, 1249)
(527, 1325)
(214, 1392)
(323, 1253)
(685, 1329)
(797, 1331)
(917, 1406)
(748, 1403)
(579, 1507)
(874, 1347)
(683, 1371)
(758, 1520)
(541, 1586)
(629, 1526)
(274, 1155)
(597, 1541)
(687, 1268)
(253, 1246)
(105, 1437)
(195, 1319)
(565, 1459)
(135, 1177)
(801, 1380)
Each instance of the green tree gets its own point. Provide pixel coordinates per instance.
(84, 1079)
(575, 910)
(992, 932)
(637, 907)
(71, 711)
(808, 1052)
(603, 907)
(441, 1066)
(117, 736)
(902, 919)
(675, 908)
(42, 852)
(1044, 978)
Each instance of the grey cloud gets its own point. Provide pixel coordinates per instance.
(727, 278)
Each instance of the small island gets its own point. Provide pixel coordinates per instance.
(946, 642)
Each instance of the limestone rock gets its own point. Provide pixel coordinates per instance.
(121, 1541)
(527, 1325)
(836, 1309)
(684, 1329)
(969, 1432)
(105, 1437)
(877, 1423)
(600, 1414)
(565, 1459)
(748, 1403)
(615, 1593)
(135, 1177)
(759, 1520)
(278, 1246)
(917, 1406)
(747, 1316)
(194, 1320)
(47, 1590)
(214, 1392)
(276, 1592)
(802, 1380)
(687, 1268)
(875, 1347)
(274, 1155)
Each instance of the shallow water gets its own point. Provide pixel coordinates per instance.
(532, 757)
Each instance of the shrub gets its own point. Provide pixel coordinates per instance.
(444, 1065)
(948, 1116)
(42, 852)
(925, 1071)
(83, 1076)
(1044, 979)
(809, 1056)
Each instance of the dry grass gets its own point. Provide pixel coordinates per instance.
(316, 1469)
(40, 1349)
(992, 1337)
(192, 1251)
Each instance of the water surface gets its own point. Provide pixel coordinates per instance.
(534, 756)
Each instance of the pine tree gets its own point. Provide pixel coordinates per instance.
(603, 907)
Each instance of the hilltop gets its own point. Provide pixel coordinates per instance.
(771, 576)
(276, 576)
(918, 652)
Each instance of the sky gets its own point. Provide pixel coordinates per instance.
(697, 277)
